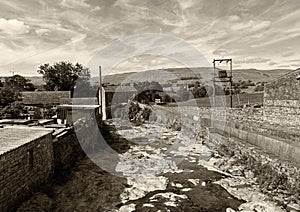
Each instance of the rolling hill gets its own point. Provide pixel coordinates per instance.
(254, 75)
(184, 74)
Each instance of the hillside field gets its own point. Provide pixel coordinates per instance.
(186, 74)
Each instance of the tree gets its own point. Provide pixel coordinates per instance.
(29, 86)
(155, 86)
(8, 96)
(13, 110)
(147, 91)
(62, 76)
(198, 90)
(10, 104)
(16, 82)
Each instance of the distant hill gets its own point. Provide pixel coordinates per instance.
(254, 75)
(152, 75)
(258, 75)
(184, 74)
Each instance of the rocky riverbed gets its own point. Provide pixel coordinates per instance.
(160, 170)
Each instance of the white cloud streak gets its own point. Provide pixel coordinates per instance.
(13, 26)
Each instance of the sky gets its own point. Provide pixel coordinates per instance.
(262, 34)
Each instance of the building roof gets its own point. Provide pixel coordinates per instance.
(119, 89)
(81, 104)
(84, 101)
(79, 107)
(15, 121)
(14, 137)
(46, 97)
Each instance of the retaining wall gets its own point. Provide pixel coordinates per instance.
(284, 149)
(23, 169)
(37, 157)
(67, 151)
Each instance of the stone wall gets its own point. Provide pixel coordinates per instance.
(282, 144)
(67, 151)
(191, 121)
(282, 99)
(23, 169)
(283, 149)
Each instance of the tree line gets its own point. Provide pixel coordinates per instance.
(61, 76)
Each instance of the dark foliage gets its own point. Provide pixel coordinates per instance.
(149, 91)
(8, 96)
(13, 110)
(64, 76)
(138, 115)
(18, 83)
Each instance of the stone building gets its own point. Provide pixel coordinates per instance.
(282, 99)
(26, 162)
(79, 108)
(45, 98)
(43, 102)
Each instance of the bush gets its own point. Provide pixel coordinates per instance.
(259, 88)
(13, 110)
(138, 115)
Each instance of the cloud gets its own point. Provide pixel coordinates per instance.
(78, 38)
(13, 26)
(251, 60)
(42, 32)
(251, 26)
(234, 18)
(284, 66)
(97, 8)
(287, 54)
(220, 52)
(296, 65)
(74, 3)
(272, 63)
(249, 32)
(294, 61)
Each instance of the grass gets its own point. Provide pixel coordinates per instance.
(184, 73)
(222, 101)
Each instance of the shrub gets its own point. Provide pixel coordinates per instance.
(138, 115)
(259, 88)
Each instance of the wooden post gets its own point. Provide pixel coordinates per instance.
(100, 90)
(231, 103)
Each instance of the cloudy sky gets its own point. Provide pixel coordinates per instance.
(255, 33)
